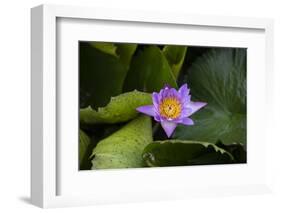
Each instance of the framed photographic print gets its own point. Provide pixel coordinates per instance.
(131, 105)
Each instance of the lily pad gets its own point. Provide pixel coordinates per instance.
(175, 56)
(218, 77)
(149, 71)
(184, 153)
(84, 150)
(120, 109)
(123, 149)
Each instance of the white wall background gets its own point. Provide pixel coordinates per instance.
(15, 105)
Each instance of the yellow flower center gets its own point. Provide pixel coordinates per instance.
(170, 108)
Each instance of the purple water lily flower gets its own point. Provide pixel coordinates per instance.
(171, 107)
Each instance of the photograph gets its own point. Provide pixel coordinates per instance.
(157, 105)
(152, 105)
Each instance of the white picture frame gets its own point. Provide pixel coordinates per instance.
(50, 188)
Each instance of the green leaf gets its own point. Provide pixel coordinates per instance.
(120, 50)
(120, 109)
(101, 76)
(184, 153)
(105, 47)
(123, 149)
(84, 151)
(218, 77)
(125, 52)
(175, 56)
(149, 71)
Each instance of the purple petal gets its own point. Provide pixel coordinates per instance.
(167, 86)
(195, 106)
(157, 118)
(164, 92)
(148, 110)
(168, 127)
(172, 92)
(185, 112)
(187, 121)
(185, 100)
(184, 91)
(184, 95)
(155, 99)
(160, 95)
(188, 98)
